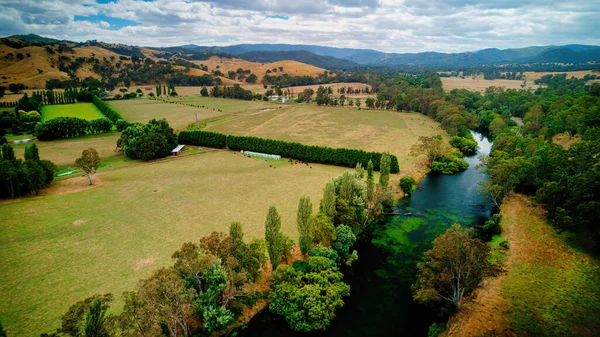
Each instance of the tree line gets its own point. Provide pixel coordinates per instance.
(21, 177)
(315, 154)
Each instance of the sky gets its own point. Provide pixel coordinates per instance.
(385, 25)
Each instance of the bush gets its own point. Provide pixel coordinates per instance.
(503, 244)
(406, 184)
(106, 109)
(203, 138)
(100, 125)
(60, 128)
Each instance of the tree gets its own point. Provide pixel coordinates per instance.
(384, 170)
(370, 103)
(251, 79)
(328, 202)
(452, 268)
(307, 294)
(169, 300)
(323, 229)
(2, 331)
(204, 92)
(406, 184)
(8, 153)
(16, 88)
(88, 163)
(76, 318)
(135, 319)
(32, 153)
(304, 225)
(357, 102)
(370, 184)
(273, 236)
(34, 176)
(344, 240)
(94, 320)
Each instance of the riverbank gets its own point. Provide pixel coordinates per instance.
(548, 288)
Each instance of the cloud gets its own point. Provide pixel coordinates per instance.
(386, 25)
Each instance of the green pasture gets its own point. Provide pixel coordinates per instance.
(80, 110)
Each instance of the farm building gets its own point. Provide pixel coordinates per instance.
(178, 150)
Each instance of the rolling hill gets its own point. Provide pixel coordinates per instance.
(33, 60)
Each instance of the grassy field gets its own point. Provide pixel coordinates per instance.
(479, 84)
(80, 110)
(178, 115)
(549, 288)
(60, 248)
(64, 152)
(346, 127)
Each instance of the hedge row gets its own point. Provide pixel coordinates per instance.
(70, 127)
(106, 109)
(308, 153)
(203, 138)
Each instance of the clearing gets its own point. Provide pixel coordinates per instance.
(479, 84)
(549, 288)
(80, 110)
(61, 248)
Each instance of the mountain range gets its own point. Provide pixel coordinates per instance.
(348, 58)
(542, 54)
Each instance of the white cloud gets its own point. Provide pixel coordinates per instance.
(387, 25)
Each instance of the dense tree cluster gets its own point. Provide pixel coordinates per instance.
(207, 286)
(525, 158)
(20, 177)
(147, 141)
(235, 91)
(71, 127)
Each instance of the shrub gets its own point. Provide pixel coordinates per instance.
(60, 128)
(406, 184)
(449, 165)
(504, 244)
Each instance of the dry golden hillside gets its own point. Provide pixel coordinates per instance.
(38, 66)
(291, 68)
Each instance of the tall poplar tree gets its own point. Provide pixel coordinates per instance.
(273, 236)
(304, 223)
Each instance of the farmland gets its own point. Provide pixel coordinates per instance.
(347, 127)
(479, 84)
(81, 110)
(84, 242)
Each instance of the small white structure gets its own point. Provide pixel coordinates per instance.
(284, 100)
(261, 155)
(177, 151)
(273, 98)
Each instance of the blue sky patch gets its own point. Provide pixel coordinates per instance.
(282, 17)
(115, 23)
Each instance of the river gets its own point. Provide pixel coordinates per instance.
(380, 303)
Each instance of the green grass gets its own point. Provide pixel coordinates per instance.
(64, 152)
(59, 248)
(80, 110)
(552, 288)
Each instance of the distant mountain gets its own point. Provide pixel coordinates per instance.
(327, 62)
(538, 54)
